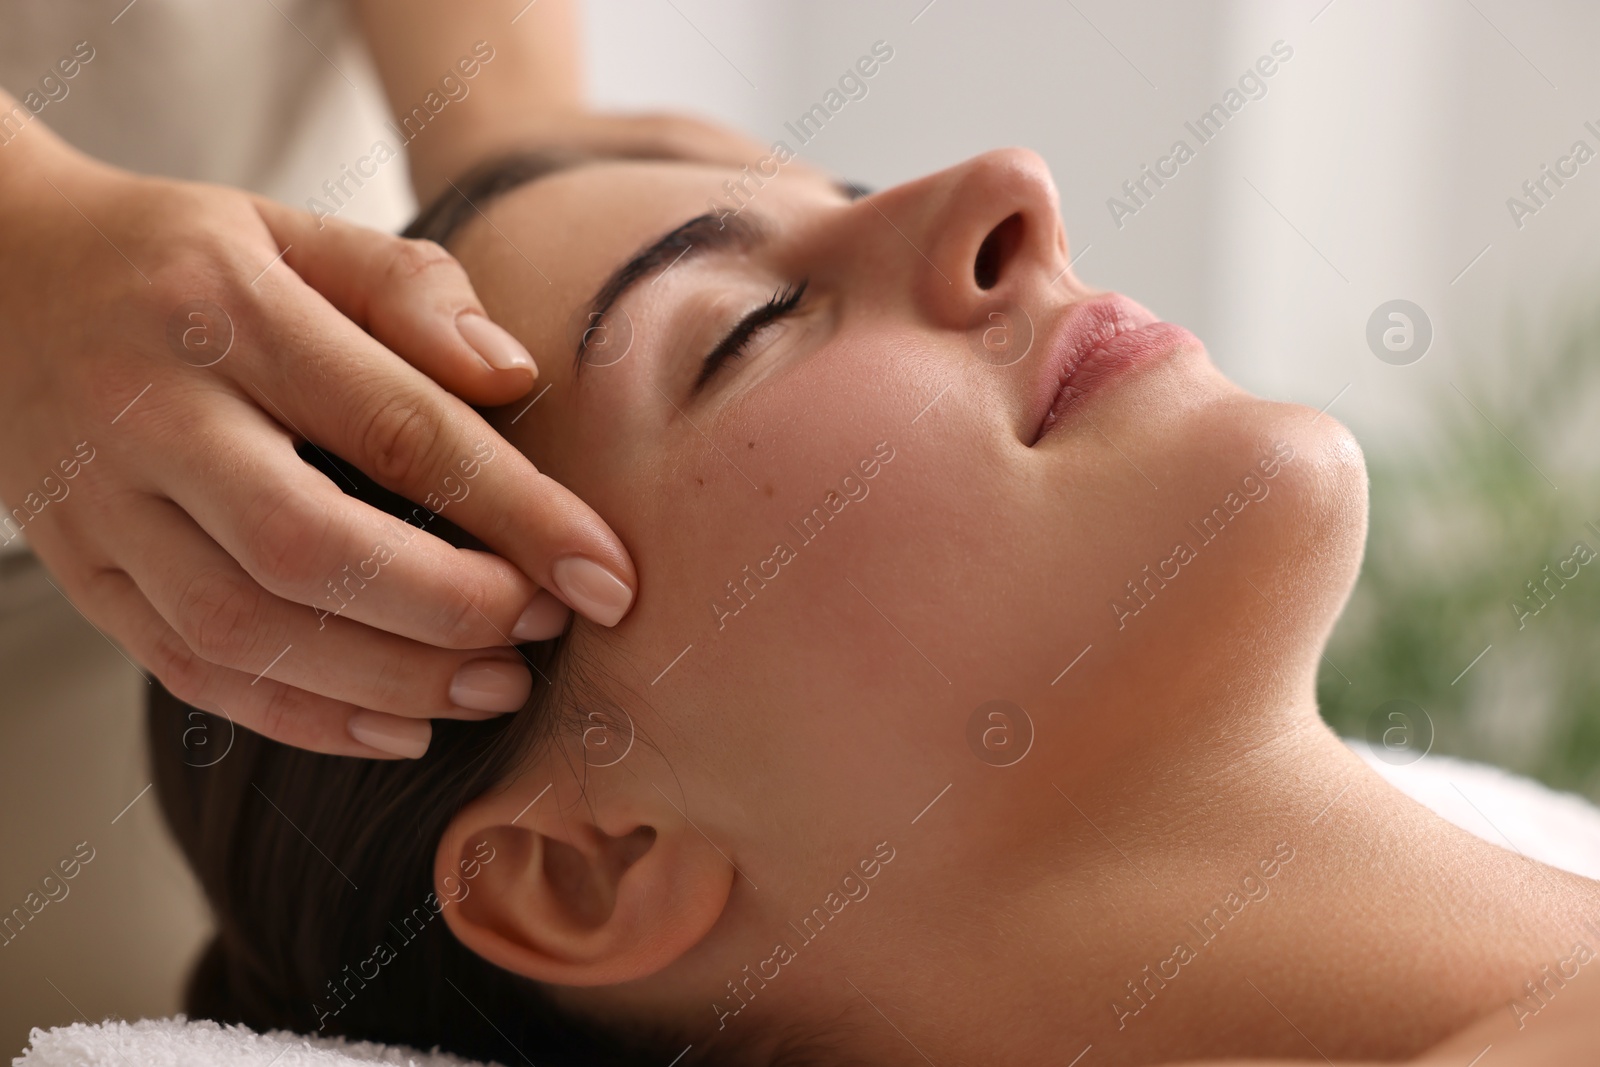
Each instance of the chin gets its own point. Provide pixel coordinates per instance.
(1282, 509)
(1318, 539)
(1230, 571)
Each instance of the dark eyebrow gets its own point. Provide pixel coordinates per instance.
(722, 231)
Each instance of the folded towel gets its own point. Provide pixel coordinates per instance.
(1505, 809)
(178, 1042)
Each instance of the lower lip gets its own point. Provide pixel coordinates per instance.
(1109, 361)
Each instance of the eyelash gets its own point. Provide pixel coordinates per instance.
(782, 303)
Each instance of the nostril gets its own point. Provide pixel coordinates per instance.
(996, 251)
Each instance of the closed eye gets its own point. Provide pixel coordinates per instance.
(782, 303)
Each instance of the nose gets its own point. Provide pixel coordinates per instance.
(987, 228)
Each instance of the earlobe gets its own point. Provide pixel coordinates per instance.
(573, 892)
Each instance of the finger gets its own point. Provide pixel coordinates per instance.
(227, 619)
(420, 442)
(303, 539)
(412, 296)
(272, 709)
(686, 137)
(667, 135)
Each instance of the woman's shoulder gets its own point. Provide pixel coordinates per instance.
(1565, 1033)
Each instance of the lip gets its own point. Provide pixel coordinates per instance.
(1096, 340)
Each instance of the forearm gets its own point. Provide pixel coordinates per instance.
(532, 80)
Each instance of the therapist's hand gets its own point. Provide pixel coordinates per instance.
(164, 346)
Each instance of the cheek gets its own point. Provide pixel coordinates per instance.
(807, 547)
(787, 481)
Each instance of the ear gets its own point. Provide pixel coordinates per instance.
(546, 881)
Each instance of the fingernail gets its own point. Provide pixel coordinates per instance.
(594, 591)
(391, 733)
(545, 617)
(497, 347)
(491, 685)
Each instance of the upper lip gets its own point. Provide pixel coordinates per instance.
(1084, 326)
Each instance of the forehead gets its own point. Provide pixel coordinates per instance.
(538, 254)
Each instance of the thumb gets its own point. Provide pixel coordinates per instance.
(412, 296)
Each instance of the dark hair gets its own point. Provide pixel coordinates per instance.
(473, 191)
(319, 869)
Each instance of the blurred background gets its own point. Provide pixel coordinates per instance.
(1383, 160)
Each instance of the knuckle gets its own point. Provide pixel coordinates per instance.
(285, 531)
(179, 669)
(224, 244)
(216, 616)
(415, 258)
(402, 683)
(458, 622)
(277, 712)
(399, 438)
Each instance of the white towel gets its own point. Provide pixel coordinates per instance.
(177, 1042)
(1505, 809)
(1560, 829)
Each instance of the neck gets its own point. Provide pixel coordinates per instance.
(1214, 895)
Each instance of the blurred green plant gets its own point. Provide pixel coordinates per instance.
(1463, 529)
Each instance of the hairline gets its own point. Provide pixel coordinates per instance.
(444, 217)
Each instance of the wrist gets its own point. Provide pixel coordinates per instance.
(24, 138)
(29, 150)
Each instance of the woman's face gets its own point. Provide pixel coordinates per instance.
(851, 536)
